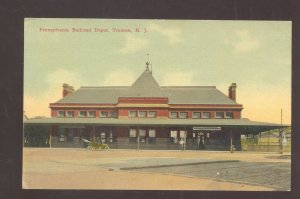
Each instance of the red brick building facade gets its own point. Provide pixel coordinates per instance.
(148, 116)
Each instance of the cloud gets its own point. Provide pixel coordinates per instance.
(246, 42)
(134, 43)
(177, 78)
(38, 105)
(172, 34)
(118, 78)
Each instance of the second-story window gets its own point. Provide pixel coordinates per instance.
(229, 115)
(206, 115)
(113, 114)
(196, 115)
(69, 113)
(219, 115)
(91, 113)
(183, 115)
(142, 113)
(104, 114)
(173, 115)
(132, 113)
(152, 114)
(60, 113)
(82, 114)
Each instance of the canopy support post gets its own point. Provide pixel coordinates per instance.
(231, 142)
(138, 138)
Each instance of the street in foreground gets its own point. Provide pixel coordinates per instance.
(154, 170)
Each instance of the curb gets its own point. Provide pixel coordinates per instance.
(175, 165)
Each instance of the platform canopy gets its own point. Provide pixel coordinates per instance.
(245, 125)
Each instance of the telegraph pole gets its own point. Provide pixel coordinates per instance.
(280, 134)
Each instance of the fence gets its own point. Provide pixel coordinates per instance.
(264, 145)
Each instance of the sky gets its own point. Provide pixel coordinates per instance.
(256, 55)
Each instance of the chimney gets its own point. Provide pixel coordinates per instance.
(67, 89)
(232, 91)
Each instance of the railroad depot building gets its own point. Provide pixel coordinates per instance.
(146, 115)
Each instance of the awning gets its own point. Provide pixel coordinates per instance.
(245, 125)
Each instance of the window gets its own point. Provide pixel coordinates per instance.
(142, 133)
(219, 115)
(173, 115)
(142, 113)
(102, 137)
(206, 115)
(196, 115)
(82, 114)
(70, 114)
(152, 114)
(91, 113)
(132, 113)
(61, 134)
(132, 136)
(104, 114)
(182, 134)
(60, 113)
(183, 115)
(132, 133)
(151, 138)
(113, 114)
(173, 136)
(229, 115)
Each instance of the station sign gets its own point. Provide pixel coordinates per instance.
(207, 128)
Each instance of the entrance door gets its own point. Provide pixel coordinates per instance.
(200, 141)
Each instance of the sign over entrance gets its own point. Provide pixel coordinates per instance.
(207, 128)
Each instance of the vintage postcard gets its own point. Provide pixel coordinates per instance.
(119, 104)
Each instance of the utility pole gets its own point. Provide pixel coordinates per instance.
(231, 142)
(280, 134)
(138, 137)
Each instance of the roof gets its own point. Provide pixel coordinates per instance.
(246, 124)
(147, 86)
